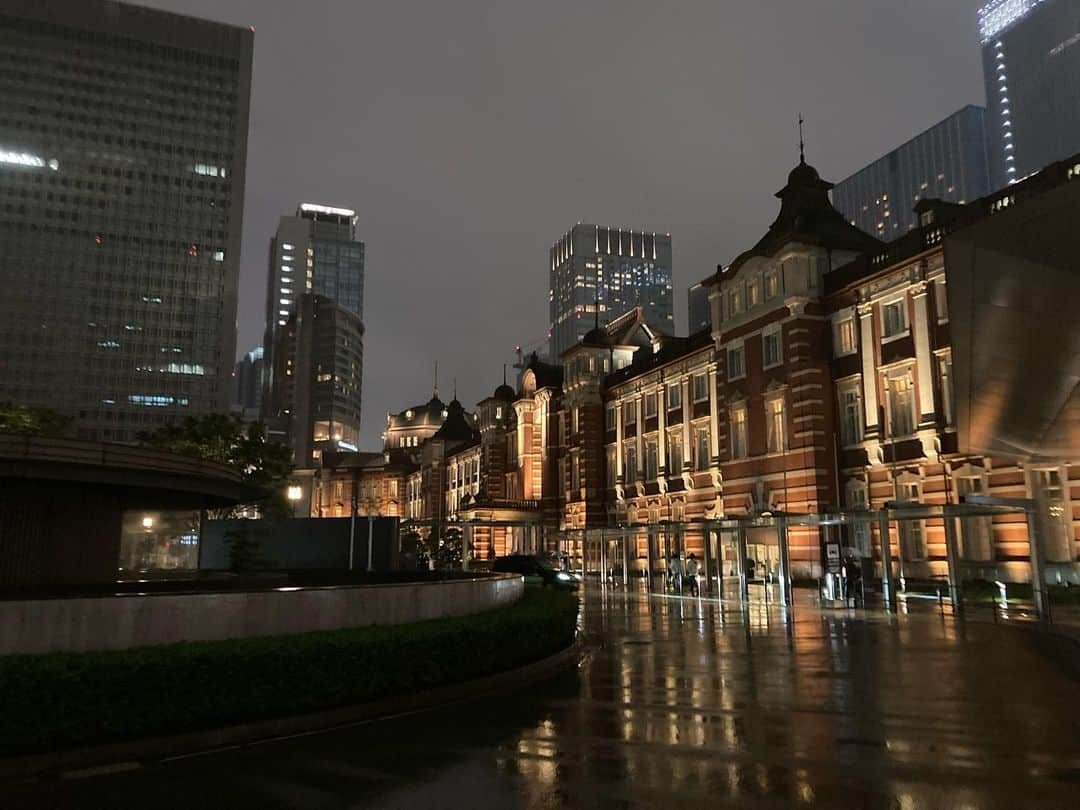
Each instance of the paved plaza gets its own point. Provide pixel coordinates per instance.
(683, 703)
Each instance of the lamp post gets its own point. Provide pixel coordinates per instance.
(294, 493)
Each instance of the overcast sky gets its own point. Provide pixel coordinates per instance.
(470, 135)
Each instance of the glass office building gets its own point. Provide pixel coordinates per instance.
(123, 136)
(615, 268)
(1031, 67)
(313, 346)
(946, 162)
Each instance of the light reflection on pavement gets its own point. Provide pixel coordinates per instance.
(679, 703)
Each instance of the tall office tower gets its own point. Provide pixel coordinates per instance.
(247, 377)
(1031, 67)
(315, 253)
(946, 162)
(123, 138)
(697, 308)
(319, 359)
(620, 269)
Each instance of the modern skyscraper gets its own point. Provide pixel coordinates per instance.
(697, 308)
(946, 162)
(123, 139)
(248, 376)
(614, 268)
(1031, 66)
(318, 359)
(315, 286)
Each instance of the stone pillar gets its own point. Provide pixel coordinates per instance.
(714, 417)
(952, 554)
(888, 584)
(639, 439)
(661, 431)
(687, 438)
(618, 443)
(869, 373)
(923, 359)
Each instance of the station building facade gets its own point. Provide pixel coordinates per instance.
(825, 383)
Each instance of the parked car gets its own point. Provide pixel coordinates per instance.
(535, 570)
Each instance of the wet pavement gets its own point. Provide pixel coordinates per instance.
(681, 703)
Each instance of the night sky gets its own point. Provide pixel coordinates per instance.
(470, 135)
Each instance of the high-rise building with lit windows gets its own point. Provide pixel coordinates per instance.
(614, 268)
(314, 330)
(123, 139)
(946, 162)
(1031, 67)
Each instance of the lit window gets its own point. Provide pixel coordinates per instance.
(845, 337)
(701, 448)
(701, 387)
(739, 438)
(772, 284)
(772, 353)
(894, 318)
(901, 406)
(851, 417)
(941, 302)
(649, 406)
(674, 396)
(775, 430)
(674, 452)
(736, 367)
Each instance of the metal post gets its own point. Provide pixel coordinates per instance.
(888, 585)
(584, 555)
(370, 542)
(706, 536)
(785, 562)
(624, 540)
(740, 551)
(467, 536)
(952, 553)
(1038, 577)
(603, 558)
(648, 558)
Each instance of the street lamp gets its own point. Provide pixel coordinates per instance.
(148, 522)
(294, 494)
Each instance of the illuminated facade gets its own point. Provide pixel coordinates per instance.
(835, 376)
(123, 138)
(615, 269)
(1031, 68)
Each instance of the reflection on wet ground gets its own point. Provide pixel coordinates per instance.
(679, 703)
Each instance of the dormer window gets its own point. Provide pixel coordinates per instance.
(753, 293)
(926, 218)
(736, 304)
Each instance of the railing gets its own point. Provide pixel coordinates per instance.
(24, 447)
(503, 503)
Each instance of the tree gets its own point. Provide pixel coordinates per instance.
(229, 440)
(31, 419)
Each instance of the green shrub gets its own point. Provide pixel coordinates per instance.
(59, 699)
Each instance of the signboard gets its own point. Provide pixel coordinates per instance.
(832, 557)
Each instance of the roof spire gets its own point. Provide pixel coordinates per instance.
(435, 389)
(455, 387)
(802, 144)
(504, 373)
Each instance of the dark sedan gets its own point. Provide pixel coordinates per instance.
(535, 571)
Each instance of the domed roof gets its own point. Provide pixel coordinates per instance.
(803, 175)
(505, 392)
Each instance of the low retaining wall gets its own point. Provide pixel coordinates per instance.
(116, 623)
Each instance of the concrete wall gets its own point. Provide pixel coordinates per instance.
(115, 623)
(302, 543)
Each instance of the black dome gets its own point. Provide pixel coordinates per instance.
(803, 175)
(505, 392)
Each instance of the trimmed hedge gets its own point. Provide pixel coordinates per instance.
(59, 699)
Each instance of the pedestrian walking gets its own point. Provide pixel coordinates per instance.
(676, 569)
(692, 573)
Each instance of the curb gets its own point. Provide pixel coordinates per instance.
(129, 755)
